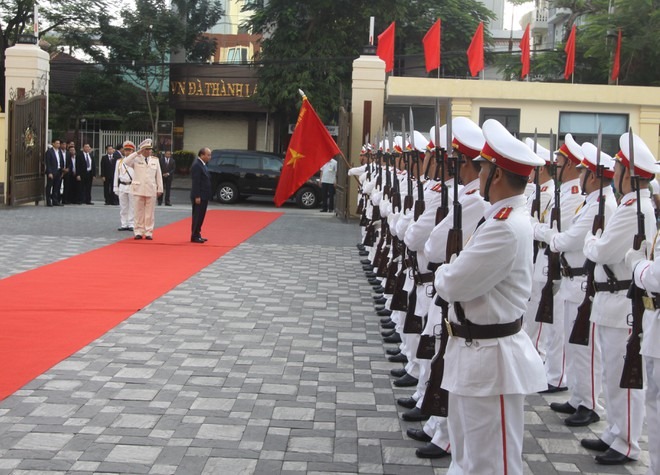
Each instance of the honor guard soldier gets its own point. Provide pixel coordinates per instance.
(122, 188)
(569, 156)
(583, 370)
(490, 365)
(647, 277)
(539, 203)
(611, 307)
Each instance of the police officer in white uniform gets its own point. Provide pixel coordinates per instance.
(122, 188)
(490, 364)
(625, 407)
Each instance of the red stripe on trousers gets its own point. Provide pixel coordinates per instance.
(506, 470)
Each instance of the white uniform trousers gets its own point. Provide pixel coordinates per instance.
(653, 412)
(409, 348)
(422, 381)
(126, 211)
(583, 364)
(555, 359)
(624, 407)
(145, 209)
(486, 434)
(535, 330)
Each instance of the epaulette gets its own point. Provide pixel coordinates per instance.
(471, 192)
(630, 201)
(437, 187)
(503, 213)
(544, 188)
(575, 190)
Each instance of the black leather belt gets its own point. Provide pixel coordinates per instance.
(573, 271)
(124, 183)
(425, 278)
(651, 301)
(613, 286)
(470, 331)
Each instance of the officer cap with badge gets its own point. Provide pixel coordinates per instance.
(129, 145)
(146, 144)
(571, 150)
(646, 165)
(468, 137)
(507, 152)
(590, 160)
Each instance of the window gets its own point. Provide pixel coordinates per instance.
(509, 118)
(583, 126)
(249, 162)
(273, 164)
(237, 55)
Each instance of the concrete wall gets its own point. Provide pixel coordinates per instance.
(222, 131)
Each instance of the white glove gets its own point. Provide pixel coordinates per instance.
(555, 286)
(452, 258)
(547, 233)
(590, 238)
(633, 256)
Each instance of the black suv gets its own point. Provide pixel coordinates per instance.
(239, 173)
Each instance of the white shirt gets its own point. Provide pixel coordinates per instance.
(647, 276)
(329, 172)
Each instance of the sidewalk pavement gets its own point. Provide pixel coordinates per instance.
(267, 361)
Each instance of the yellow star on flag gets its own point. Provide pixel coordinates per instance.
(295, 156)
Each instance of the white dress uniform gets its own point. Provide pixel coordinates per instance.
(624, 407)
(583, 367)
(122, 188)
(147, 183)
(647, 277)
(487, 378)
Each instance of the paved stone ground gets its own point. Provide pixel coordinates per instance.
(267, 361)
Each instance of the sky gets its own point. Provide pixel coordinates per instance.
(518, 12)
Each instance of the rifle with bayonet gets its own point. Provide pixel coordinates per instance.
(536, 204)
(632, 375)
(441, 157)
(545, 311)
(582, 325)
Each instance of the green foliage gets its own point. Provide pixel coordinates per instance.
(183, 159)
(311, 44)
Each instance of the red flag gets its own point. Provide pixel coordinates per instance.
(569, 49)
(475, 52)
(311, 146)
(431, 44)
(617, 59)
(385, 48)
(524, 57)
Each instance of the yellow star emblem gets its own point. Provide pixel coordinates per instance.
(295, 156)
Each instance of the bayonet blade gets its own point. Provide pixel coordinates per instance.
(536, 139)
(450, 136)
(599, 147)
(631, 152)
(437, 124)
(412, 130)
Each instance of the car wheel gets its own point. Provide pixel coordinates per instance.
(227, 193)
(306, 198)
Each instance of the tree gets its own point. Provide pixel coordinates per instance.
(55, 15)
(141, 46)
(311, 44)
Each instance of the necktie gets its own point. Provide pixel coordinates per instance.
(61, 159)
(146, 160)
(87, 160)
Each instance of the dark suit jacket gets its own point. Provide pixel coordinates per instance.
(52, 161)
(81, 165)
(201, 181)
(169, 168)
(70, 160)
(108, 167)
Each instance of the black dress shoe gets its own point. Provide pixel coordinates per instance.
(406, 381)
(409, 403)
(582, 417)
(562, 407)
(377, 297)
(414, 415)
(378, 308)
(137, 237)
(388, 333)
(360, 246)
(197, 240)
(400, 358)
(380, 301)
(431, 451)
(371, 275)
(150, 238)
(388, 326)
(203, 239)
(553, 389)
(393, 351)
(379, 289)
(396, 338)
(384, 313)
(594, 444)
(385, 320)
(612, 457)
(365, 261)
(363, 253)
(168, 204)
(398, 372)
(367, 267)
(374, 281)
(418, 434)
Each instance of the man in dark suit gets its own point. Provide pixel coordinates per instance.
(71, 181)
(168, 167)
(86, 173)
(53, 174)
(108, 173)
(200, 193)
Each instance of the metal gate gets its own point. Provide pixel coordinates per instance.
(341, 190)
(27, 145)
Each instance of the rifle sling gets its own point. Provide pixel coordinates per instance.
(571, 272)
(426, 278)
(612, 286)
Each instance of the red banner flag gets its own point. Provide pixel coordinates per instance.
(524, 56)
(569, 49)
(431, 44)
(311, 146)
(617, 59)
(475, 52)
(385, 48)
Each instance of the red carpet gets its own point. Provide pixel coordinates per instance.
(49, 313)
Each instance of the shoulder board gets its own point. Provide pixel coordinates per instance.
(544, 188)
(503, 213)
(630, 201)
(575, 189)
(471, 192)
(437, 187)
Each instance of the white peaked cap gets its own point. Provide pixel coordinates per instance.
(646, 166)
(506, 151)
(571, 150)
(541, 151)
(421, 142)
(442, 135)
(590, 160)
(468, 138)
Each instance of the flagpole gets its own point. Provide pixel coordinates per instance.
(439, 46)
